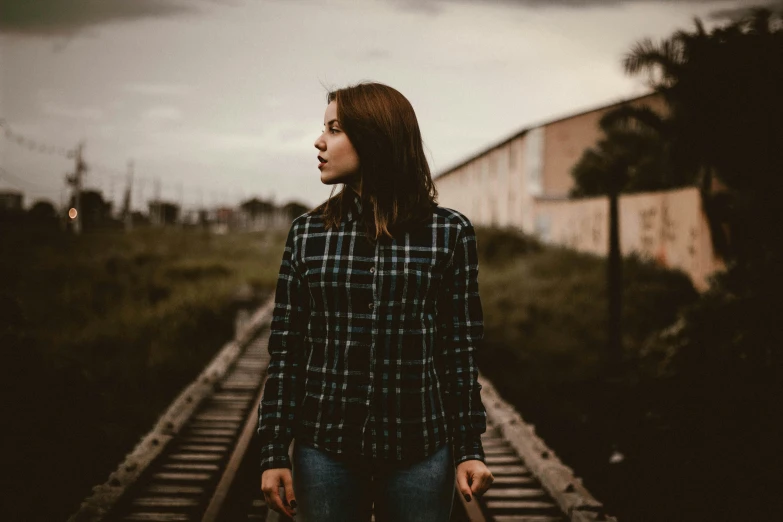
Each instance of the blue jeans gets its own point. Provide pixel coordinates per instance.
(333, 488)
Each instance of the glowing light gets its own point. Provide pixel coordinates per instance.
(616, 457)
(72, 213)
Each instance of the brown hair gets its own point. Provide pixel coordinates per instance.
(396, 184)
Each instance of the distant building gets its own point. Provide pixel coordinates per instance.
(11, 201)
(256, 214)
(524, 182)
(94, 211)
(163, 213)
(501, 184)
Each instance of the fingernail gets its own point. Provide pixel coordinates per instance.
(467, 497)
(293, 504)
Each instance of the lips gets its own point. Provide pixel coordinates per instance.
(321, 159)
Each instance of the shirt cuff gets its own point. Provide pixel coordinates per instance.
(468, 449)
(274, 456)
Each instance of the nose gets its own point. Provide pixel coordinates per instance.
(320, 144)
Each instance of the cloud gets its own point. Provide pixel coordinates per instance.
(68, 17)
(374, 55)
(733, 13)
(162, 113)
(157, 89)
(436, 6)
(84, 113)
(281, 137)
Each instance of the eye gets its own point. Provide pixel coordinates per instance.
(333, 130)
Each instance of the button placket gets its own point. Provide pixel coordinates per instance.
(371, 387)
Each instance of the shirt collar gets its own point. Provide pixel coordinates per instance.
(354, 207)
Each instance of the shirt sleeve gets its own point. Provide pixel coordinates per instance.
(289, 322)
(461, 318)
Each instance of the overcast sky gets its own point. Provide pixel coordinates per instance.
(226, 97)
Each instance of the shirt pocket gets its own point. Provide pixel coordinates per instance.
(421, 280)
(327, 286)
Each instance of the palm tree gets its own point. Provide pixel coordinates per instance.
(723, 89)
(641, 150)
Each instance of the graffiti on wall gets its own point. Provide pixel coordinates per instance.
(658, 231)
(667, 227)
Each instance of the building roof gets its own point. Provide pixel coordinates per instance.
(524, 130)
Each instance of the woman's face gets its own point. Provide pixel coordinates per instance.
(337, 159)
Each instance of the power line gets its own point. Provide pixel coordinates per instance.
(34, 145)
(75, 179)
(100, 170)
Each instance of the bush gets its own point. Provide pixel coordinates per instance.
(498, 246)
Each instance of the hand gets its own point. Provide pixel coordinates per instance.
(473, 478)
(271, 480)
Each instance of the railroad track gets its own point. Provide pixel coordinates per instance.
(199, 462)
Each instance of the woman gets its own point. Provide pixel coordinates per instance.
(376, 323)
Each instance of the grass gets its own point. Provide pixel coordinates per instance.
(665, 438)
(548, 306)
(98, 334)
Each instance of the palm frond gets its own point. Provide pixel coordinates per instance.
(664, 58)
(699, 26)
(761, 21)
(633, 118)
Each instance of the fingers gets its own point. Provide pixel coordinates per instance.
(473, 478)
(462, 484)
(279, 505)
(288, 485)
(482, 480)
(271, 482)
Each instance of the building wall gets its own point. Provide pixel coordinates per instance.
(491, 189)
(667, 227)
(565, 141)
(500, 185)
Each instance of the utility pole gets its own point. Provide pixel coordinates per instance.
(158, 209)
(112, 197)
(127, 205)
(75, 180)
(141, 192)
(615, 272)
(181, 212)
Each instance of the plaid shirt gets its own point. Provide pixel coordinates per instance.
(372, 344)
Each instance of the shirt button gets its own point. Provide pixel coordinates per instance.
(371, 306)
(372, 269)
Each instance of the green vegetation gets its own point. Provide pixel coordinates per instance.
(551, 303)
(98, 334)
(679, 407)
(717, 391)
(722, 89)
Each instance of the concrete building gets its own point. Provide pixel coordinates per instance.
(163, 213)
(524, 182)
